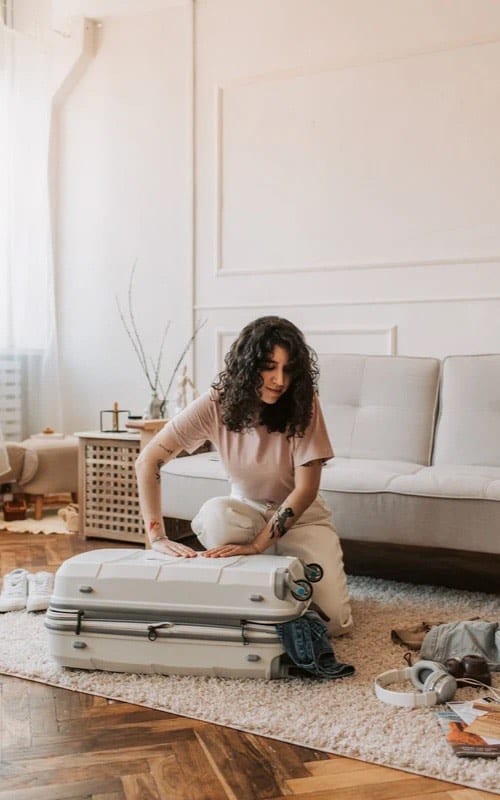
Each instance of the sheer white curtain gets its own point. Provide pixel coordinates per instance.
(28, 340)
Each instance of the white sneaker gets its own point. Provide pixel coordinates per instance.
(40, 586)
(14, 590)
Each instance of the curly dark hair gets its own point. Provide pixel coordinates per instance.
(238, 384)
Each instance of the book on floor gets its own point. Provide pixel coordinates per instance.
(470, 731)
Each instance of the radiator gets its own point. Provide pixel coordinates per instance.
(12, 395)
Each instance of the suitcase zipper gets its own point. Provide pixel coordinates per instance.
(76, 622)
(102, 612)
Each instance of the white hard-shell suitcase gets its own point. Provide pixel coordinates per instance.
(131, 610)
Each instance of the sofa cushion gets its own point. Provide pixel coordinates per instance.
(363, 474)
(187, 483)
(452, 481)
(468, 427)
(380, 407)
(399, 477)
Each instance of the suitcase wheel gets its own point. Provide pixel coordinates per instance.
(313, 572)
(301, 590)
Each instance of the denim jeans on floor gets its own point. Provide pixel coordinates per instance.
(306, 643)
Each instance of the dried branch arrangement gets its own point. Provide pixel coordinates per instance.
(152, 367)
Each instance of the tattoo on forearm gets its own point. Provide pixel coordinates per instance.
(159, 465)
(155, 532)
(166, 450)
(278, 524)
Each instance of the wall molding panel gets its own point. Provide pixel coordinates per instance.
(292, 185)
(326, 341)
(359, 339)
(450, 262)
(333, 303)
(219, 180)
(336, 66)
(346, 175)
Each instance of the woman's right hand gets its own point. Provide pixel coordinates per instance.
(171, 548)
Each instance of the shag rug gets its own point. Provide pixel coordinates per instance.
(342, 717)
(50, 523)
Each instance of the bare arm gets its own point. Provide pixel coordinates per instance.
(161, 449)
(306, 488)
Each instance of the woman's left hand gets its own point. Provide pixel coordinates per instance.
(228, 550)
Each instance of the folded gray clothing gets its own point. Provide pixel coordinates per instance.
(459, 639)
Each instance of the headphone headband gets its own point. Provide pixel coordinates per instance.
(436, 685)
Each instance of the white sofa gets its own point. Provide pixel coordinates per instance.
(415, 484)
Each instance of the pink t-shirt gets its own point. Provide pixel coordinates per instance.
(260, 464)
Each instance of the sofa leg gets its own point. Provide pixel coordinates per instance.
(38, 506)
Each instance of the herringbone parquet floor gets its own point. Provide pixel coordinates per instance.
(62, 745)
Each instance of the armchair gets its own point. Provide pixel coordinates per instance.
(39, 468)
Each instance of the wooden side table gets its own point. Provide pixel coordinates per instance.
(107, 486)
(108, 495)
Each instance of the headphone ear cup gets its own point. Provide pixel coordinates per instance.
(422, 671)
(431, 676)
(443, 684)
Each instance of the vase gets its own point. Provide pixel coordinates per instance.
(154, 408)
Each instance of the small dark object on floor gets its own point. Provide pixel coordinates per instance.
(471, 666)
(14, 509)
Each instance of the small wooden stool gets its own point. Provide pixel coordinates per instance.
(57, 471)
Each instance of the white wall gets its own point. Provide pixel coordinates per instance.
(123, 193)
(347, 173)
(125, 188)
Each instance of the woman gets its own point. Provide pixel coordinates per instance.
(264, 417)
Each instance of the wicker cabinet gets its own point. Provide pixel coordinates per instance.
(109, 499)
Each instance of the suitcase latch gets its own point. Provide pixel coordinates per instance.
(85, 589)
(152, 630)
(243, 624)
(79, 617)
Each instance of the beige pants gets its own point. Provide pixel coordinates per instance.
(313, 539)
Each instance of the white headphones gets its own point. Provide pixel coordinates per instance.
(435, 685)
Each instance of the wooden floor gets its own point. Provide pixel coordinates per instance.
(59, 744)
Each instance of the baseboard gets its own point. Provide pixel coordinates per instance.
(458, 569)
